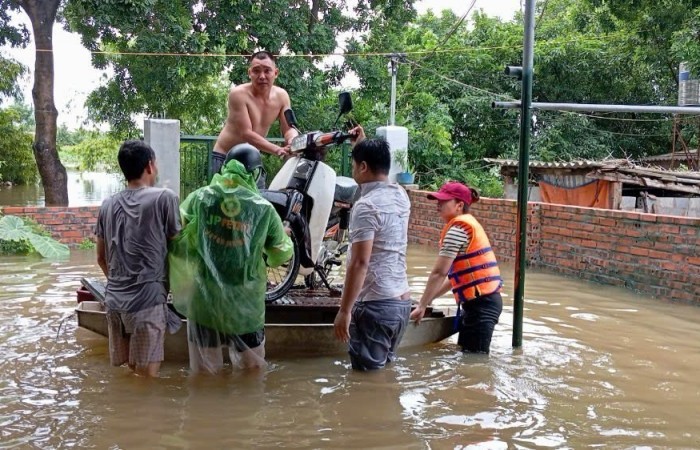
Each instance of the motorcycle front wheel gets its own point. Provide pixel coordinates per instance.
(281, 279)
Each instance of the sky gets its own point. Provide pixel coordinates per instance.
(75, 77)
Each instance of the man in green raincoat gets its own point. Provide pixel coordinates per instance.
(217, 264)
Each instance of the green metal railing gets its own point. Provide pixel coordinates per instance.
(195, 156)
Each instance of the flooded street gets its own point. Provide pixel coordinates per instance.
(600, 367)
(84, 189)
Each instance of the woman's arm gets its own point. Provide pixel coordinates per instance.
(438, 284)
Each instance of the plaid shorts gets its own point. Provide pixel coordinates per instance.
(137, 338)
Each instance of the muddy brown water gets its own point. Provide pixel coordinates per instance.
(600, 367)
(84, 189)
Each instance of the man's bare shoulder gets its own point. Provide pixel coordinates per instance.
(279, 92)
(240, 90)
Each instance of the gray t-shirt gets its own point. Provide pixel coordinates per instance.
(136, 225)
(381, 214)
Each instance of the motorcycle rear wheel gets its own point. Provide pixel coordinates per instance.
(281, 279)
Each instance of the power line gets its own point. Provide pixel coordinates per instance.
(493, 94)
(356, 54)
(539, 19)
(454, 28)
(622, 119)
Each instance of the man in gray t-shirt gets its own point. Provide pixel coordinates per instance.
(375, 305)
(133, 228)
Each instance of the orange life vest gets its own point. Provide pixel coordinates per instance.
(475, 272)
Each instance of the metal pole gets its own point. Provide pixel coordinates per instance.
(523, 176)
(394, 68)
(576, 107)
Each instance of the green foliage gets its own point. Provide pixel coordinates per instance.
(86, 244)
(16, 159)
(36, 227)
(191, 88)
(20, 238)
(13, 36)
(587, 51)
(272, 165)
(20, 247)
(401, 158)
(98, 151)
(10, 72)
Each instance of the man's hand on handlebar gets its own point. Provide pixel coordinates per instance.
(283, 151)
(358, 135)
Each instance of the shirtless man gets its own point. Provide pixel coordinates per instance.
(252, 108)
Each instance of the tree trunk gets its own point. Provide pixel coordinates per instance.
(42, 14)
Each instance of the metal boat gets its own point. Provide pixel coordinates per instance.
(300, 324)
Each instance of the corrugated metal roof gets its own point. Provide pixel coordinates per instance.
(679, 156)
(688, 182)
(582, 164)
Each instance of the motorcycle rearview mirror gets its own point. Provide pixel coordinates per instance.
(291, 118)
(345, 102)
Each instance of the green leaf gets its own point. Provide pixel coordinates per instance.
(13, 229)
(48, 248)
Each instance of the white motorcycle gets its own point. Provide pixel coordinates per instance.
(316, 204)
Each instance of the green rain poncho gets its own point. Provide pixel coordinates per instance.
(217, 272)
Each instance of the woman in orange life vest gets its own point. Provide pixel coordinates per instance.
(467, 266)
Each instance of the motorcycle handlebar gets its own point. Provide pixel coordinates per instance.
(335, 137)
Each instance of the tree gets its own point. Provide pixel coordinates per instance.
(16, 162)
(42, 15)
(170, 77)
(583, 54)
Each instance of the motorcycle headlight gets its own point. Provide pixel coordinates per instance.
(299, 143)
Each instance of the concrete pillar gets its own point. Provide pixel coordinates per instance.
(398, 141)
(163, 135)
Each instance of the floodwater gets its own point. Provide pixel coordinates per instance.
(600, 367)
(84, 189)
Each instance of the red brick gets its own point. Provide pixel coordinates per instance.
(639, 251)
(659, 255)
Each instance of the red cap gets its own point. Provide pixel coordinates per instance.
(453, 190)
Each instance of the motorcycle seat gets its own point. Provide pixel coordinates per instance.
(346, 190)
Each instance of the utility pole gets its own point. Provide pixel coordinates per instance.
(525, 74)
(397, 137)
(393, 69)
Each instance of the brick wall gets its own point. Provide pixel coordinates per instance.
(70, 225)
(653, 254)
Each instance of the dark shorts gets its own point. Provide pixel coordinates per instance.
(376, 329)
(206, 337)
(216, 162)
(479, 317)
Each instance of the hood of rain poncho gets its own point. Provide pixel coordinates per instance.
(217, 272)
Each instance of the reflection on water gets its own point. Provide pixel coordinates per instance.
(84, 189)
(600, 367)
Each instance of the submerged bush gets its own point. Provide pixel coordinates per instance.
(19, 238)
